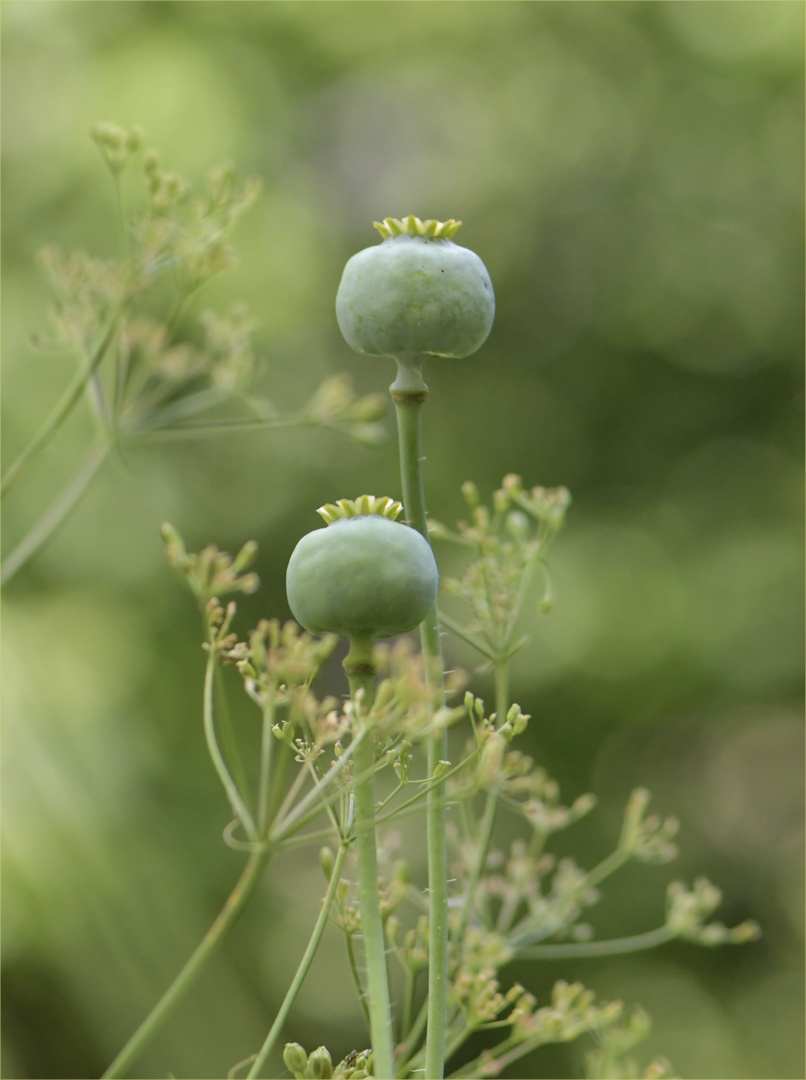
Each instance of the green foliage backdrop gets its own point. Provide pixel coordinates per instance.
(632, 175)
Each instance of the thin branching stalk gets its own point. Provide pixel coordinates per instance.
(304, 966)
(63, 407)
(574, 950)
(233, 794)
(159, 1015)
(56, 513)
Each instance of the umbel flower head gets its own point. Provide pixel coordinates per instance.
(417, 293)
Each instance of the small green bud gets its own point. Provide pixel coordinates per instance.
(320, 1065)
(440, 769)
(326, 862)
(492, 756)
(295, 1059)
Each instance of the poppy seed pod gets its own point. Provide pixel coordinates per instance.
(415, 293)
(363, 576)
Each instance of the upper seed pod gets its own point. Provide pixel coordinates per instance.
(415, 293)
(364, 576)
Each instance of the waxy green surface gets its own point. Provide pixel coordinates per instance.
(362, 576)
(415, 294)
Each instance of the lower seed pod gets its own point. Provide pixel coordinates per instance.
(363, 576)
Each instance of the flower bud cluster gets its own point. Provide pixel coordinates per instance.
(116, 144)
(572, 1012)
(281, 658)
(318, 1065)
(334, 406)
(412, 950)
(647, 839)
(610, 1058)
(406, 703)
(507, 542)
(687, 910)
(211, 573)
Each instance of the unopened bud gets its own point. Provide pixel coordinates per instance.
(326, 862)
(295, 1059)
(320, 1065)
(491, 757)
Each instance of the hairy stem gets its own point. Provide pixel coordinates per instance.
(408, 393)
(156, 1019)
(361, 674)
(304, 966)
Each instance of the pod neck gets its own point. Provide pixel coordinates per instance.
(409, 384)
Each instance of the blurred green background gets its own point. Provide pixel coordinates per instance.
(632, 175)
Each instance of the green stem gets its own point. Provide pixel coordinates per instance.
(62, 409)
(229, 742)
(408, 393)
(156, 1019)
(460, 631)
(236, 801)
(304, 966)
(615, 946)
(205, 428)
(406, 1048)
(55, 514)
(360, 672)
(362, 997)
(267, 741)
(485, 838)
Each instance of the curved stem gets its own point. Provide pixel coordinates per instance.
(156, 1019)
(62, 409)
(236, 802)
(408, 393)
(55, 514)
(360, 672)
(571, 950)
(491, 805)
(304, 966)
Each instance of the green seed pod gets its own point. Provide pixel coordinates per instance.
(364, 576)
(415, 293)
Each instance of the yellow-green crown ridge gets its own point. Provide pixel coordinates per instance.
(384, 506)
(412, 226)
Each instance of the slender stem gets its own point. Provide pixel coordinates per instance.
(527, 933)
(408, 393)
(408, 1002)
(229, 741)
(406, 1049)
(485, 838)
(63, 407)
(205, 428)
(55, 514)
(296, 819)
(362, 994)
(236, 802)
(156, 1019)
(460, 631)
(361, 675)
(491, 806)
(581, 949)
(267, 741)
(304, 966)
